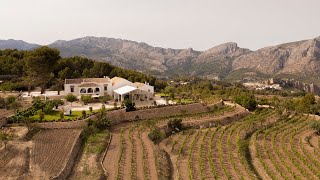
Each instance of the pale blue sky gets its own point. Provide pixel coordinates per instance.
(199, 24)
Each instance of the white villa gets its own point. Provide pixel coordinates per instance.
(117, 87)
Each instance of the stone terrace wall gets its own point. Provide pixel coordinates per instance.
(121, 115)
(63, 125)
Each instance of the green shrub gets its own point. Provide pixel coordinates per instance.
(48, 108)
(156, 135)
(70, 98)
(11, 99)
(61, 115)
(175, 125)
(103, 99)
(130, 106)
(316, 126)
(84, 113)
(247, 101)
(86, 99)
(41, 116)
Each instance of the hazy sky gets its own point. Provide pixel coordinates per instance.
(199, 24)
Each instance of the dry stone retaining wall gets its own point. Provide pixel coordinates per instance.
(63, 125)
(121, 115)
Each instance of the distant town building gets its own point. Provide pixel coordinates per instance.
(118, 88)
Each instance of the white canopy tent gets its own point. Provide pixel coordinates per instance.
(123, 91)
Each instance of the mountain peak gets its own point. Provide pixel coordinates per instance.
(226, 48)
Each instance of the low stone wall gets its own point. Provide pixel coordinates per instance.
(65, 172)
(121, 115)
(224, 120)
(63, 125)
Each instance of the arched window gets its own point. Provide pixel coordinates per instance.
(83, 90)
(90, 90)
(97, 90)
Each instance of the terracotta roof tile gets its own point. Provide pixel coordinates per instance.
(93, 80)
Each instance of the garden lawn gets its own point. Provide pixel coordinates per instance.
(55, 115)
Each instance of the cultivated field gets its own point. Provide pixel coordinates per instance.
(226, 143)
(52, 150)
(48, 154)
(262, 145)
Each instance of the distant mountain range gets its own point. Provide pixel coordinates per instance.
(16, 44)
(299, 60)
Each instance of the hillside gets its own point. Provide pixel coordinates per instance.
(299, 60)
(16, 44)
(156, 60)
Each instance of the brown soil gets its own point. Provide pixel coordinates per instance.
(151, 157)
(195, 157)
(182, 164)
(216, 155)
(205, 157)
(52, 148)
(173, 157)
(256, 163)
(111, 159)
(139, 156)
(14, 160)
(226, 157)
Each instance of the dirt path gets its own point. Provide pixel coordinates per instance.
(151, 158)
(167, 147)
(182, 164)
(111, 159)
(139, 155)
(126, 166)
(196, 156)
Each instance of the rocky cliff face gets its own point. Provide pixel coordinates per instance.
(299, 85)
(301, 58)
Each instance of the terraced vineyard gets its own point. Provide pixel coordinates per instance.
(261, 145)
(130, 155)
(52, 150)
(283, 152)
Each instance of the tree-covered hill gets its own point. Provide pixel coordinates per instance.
(44, 67)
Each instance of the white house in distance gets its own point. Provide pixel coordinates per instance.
(118, 88)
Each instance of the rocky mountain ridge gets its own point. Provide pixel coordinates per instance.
(299, 59)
